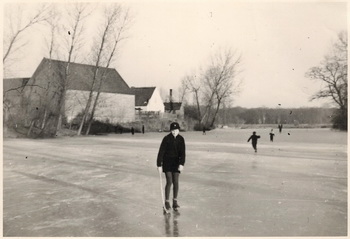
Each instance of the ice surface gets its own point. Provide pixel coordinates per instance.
(108, 186)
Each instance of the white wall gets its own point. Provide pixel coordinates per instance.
(115, 108)
(156, 102)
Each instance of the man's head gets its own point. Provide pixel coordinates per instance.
(254, 132)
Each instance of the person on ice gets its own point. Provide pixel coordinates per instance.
(271, 135)
(171, 161)
(254, 139)
(280, 126)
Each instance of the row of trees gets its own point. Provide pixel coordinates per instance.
(238, 116)
(65, 28)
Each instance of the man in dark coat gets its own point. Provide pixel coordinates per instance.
(280, 126)
(271, 135)
(254, 139)
(171, 160)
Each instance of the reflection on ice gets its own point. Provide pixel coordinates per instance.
(171, 219)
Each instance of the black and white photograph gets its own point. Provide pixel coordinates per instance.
(175, 118)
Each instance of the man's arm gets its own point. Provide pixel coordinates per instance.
(161, 153)
(183, 152)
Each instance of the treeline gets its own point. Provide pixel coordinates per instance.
(295, 116)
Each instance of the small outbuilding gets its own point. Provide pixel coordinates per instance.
(148, 99)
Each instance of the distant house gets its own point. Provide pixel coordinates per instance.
(173, 108)
(148, 99)
(116, 101)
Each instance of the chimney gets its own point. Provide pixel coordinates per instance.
(171, 100)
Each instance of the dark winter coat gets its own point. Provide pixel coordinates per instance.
(171, 153)
(254, 139)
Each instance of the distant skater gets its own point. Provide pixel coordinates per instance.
(143, 129)
(132, 131)
(254, 139)
(271, 135)
(280, 126)
(204, 133)
(171, 161)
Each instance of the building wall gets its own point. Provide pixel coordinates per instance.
(40, 97)
(12, 107)
(113, 108)
(156, 102)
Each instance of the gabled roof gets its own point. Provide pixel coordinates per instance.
(142, 95)
(81, 76)
(14, 84)
(168, 106)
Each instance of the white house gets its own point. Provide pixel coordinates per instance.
(148, 99)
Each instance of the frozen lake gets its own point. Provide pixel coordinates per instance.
(108, 186)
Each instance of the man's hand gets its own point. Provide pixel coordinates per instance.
(160, 169)
(181, 167)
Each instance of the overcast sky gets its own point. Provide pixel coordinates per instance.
(279, 41)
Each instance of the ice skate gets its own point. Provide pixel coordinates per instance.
(175, 205)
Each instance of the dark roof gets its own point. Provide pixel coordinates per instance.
(174, 105)
(81, 76)
(14, 83)
(142, 95)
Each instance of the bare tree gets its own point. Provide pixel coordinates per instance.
(183, 89)
(120, 25)
(17, 27)
(192, 83)
(220, 82)
(53, 31)
(51, 41)
(101, 42)
(333, 73)
(76, 15)
(17, 23)
(341, 47)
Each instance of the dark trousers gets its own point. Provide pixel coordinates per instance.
(254, 146)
